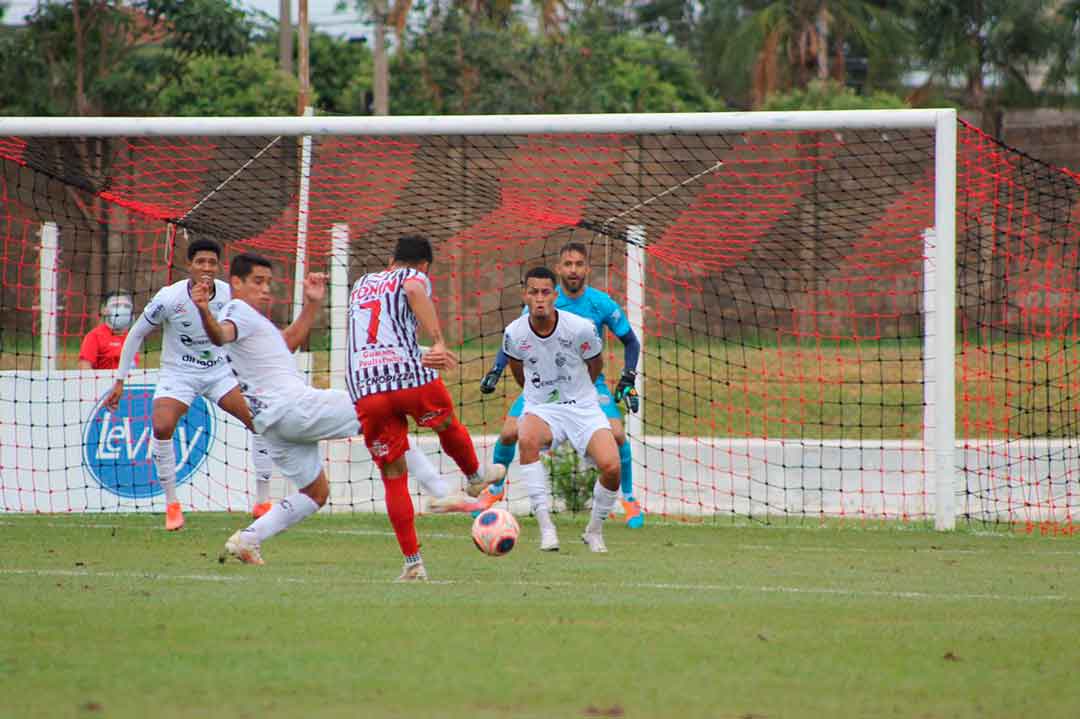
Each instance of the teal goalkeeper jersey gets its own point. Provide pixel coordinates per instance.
(595, 306)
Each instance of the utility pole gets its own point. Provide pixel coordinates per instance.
(285, 36)
(381, 69)
(304, 71)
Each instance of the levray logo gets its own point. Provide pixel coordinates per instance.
(117, 447)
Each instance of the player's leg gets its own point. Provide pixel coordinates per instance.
(534, 434)
(165, 414)
(424, 472)
(432, 407)
(634, 517)
(301, 464)
(233, 402)
(293, 444)
(503, 455)
(604, 452)
(385, 429)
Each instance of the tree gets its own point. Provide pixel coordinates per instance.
(831, 95)
(341, 72)
(778, 45)
(248, 84)
(994, 45)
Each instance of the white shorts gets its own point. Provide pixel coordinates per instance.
(293, 438)
(185, 387)
(571, 423)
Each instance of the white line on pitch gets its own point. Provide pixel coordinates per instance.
(662, 586)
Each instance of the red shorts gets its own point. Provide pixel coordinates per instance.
(384, 417)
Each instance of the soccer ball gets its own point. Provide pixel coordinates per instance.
(495, 532)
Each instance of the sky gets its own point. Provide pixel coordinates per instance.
(321, 14)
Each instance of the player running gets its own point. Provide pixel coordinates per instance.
(190, 366)
(390, 381)
(577, 297)
(556, 357)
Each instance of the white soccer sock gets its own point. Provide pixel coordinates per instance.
(421, 468)
(165, 463)
(602, 504)
(283, 515)
(535, 478)
(264, 468)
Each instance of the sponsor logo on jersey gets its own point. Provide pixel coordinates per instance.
(536, 381)
(566, 342)
(586, 346)
(155, 313)
(117, 447)
(186, 324)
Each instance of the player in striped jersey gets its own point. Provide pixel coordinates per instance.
(577, 297)
(190, 366)
(390, 380)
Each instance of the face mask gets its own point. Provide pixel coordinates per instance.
(118, 314)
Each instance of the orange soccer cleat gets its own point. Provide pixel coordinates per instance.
(260, 509)
(174, 517)
(634, 518)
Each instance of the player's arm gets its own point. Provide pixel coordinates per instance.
(132, 343)
(491, 379)
(297, 333)
(625, 390)
(438, 357)
(518, 371)
(219, 333)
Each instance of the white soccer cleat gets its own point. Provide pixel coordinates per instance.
(244, 549)
(595, 541)
(413, 573)
(492, 473)
(549, 539)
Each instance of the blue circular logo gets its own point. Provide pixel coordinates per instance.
(117, 446)
(489, 518)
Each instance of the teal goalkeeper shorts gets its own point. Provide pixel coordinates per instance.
(607, 402)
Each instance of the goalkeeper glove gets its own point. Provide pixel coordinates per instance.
(490, 381)
(625, 391)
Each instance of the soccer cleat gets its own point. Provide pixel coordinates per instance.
(634, 517)
(452, 503)
(243, 549)
(489, 497)
(413, 573)
(595, 540)
(260, 509)
(549, 539)
(492, 473)
(174, 517)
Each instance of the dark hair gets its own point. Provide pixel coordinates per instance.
(413, 249)
(120, 292)
(204, 244)
(540, 273)
(574, 247)
(242, 265)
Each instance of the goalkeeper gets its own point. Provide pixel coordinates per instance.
(577, 297)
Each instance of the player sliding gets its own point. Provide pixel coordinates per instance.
(577, 297)
(556, 357)
(190, 366)
(390, 381)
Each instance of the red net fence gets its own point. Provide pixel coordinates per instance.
(778, 281)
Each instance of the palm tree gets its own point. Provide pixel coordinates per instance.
(783, 44)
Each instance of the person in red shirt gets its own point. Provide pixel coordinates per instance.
(102, 345)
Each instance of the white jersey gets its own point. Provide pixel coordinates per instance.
(554, 366)
(263, 364)
(383, 352)
(185, 346)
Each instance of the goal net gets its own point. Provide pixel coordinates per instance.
(827, 328)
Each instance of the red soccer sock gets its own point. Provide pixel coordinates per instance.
(457, 443)
(399, 507)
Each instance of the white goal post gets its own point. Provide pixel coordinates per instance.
(940, 348)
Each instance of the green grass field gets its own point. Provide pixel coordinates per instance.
(106, 615)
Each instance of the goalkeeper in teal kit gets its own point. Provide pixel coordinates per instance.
(576, 297)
